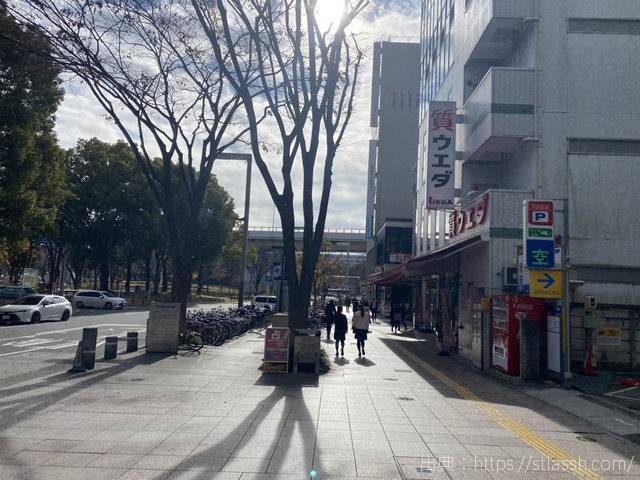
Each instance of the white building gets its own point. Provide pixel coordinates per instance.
(547, 107)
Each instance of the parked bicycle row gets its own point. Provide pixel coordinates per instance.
(218, 325)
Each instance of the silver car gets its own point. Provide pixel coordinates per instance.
(33, 308)
(98, 299)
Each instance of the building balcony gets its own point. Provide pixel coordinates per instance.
(498, 114)
(490, 24)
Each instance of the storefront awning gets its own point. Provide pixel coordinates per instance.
(391, 277)
(418, 266)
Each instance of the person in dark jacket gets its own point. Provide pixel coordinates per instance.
(329, 311)
(374, 310)
(341, 328)
(395, 317)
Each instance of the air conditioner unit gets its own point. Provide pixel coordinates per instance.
(509, 276)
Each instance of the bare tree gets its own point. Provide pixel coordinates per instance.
(154, 72)
(308, 74)
(258, 264)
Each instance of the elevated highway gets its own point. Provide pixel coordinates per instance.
(267, 237)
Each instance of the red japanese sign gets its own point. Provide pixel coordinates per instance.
(467, 218)
(276, 346)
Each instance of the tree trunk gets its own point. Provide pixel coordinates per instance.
(147, 271)
(104, 275)
(200, 279)
(156, 273)
(127, 285)
(165, 276)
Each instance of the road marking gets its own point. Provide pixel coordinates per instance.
(536, 441)
(65, 330)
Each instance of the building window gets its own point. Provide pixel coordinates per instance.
(410, 100)
(437, 46)
(402, 99)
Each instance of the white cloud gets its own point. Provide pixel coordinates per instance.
(80, 116)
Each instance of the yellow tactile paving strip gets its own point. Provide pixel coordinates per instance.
(536, 441)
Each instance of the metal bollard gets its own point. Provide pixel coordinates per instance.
(132, 341)
(89, 341)
(110, 348)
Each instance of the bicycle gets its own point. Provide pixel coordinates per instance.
(194, 341)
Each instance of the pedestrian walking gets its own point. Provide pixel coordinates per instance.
(340, 331)
(403, 316)
(395, 317)
(374, 310)
(329, 311)
(360, 324)
(355, 305)
(347, 302)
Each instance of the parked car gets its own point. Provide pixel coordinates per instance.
(98, 299)
(13, 293)
(264, 301)
(33, 308)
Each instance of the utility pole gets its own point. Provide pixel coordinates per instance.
(566, 301)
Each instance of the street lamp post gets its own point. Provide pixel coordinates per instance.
(245, 233)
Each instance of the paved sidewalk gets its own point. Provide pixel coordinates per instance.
(402, 412)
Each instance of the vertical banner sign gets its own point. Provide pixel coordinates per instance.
(523, 273)
(441, 155)
(375, 83)
(277, 271)
(539, 243)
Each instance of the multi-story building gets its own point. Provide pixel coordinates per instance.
(546, 107)
(392, 159)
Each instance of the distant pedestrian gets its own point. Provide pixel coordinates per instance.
(329, 311)
(347, 302)
(341, 327)
(374, 310)
(364, 302)
(396, 317)
(355, 305)
(403, 316)
(360, 324)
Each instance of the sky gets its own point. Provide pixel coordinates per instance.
(81, 117)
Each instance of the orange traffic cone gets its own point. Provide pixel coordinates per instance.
(587, 368)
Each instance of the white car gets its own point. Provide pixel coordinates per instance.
(98, 299)
(264, 301)
(33, 308)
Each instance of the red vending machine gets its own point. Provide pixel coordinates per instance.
(508, 310)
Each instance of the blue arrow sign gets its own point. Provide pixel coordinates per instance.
(549, 280)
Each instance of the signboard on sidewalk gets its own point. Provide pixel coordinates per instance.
(276, 349)
(30, 277)
(163, 327)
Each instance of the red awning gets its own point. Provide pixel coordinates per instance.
(393, 276)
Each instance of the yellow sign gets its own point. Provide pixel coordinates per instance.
(545, 283)
(486, 304)
(609, 336)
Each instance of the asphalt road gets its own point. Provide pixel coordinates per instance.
(32, 351)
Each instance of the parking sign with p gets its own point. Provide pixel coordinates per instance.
(540, 212)
(538, 238)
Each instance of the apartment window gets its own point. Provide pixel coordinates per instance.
(402, 99)
(410, 99)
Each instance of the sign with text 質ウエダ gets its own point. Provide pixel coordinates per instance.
(441, 155)
(538, 234)
(466, 220)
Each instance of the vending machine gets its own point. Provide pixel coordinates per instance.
(508, 310)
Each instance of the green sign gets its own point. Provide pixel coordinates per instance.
(541, 232)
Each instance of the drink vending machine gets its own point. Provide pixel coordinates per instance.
(508, 310)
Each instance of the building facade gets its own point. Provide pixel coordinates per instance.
(546, 108)
(392, 159)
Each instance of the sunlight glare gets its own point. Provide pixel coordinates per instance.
(328, 12)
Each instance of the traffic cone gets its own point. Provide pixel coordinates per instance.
(587, 368)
